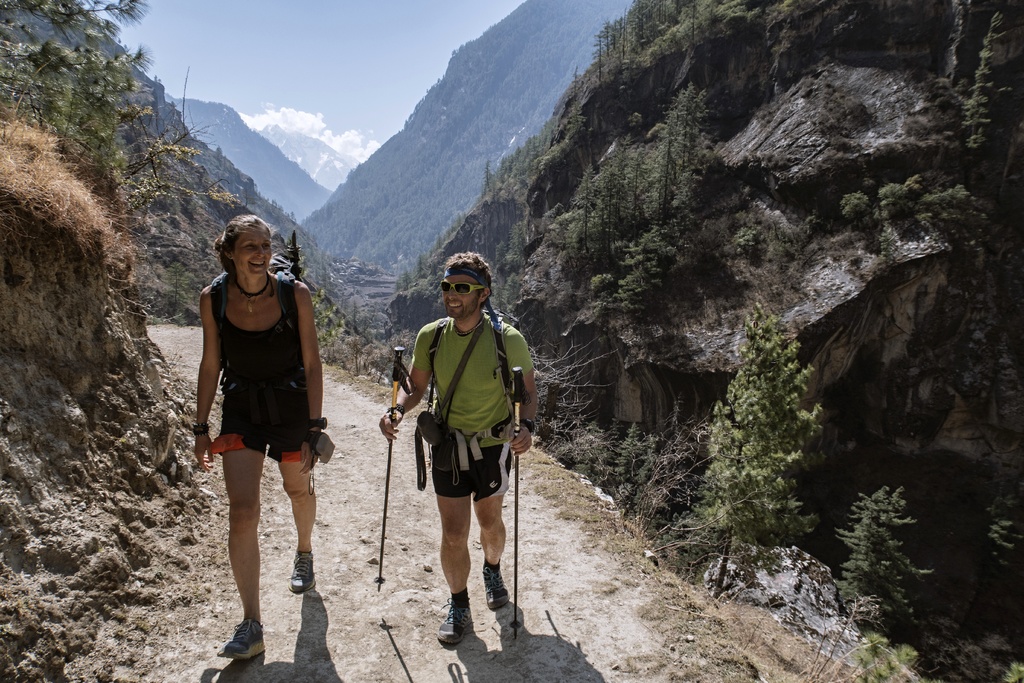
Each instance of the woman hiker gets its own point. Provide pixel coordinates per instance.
(258, 328)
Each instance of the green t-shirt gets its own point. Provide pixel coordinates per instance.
(479, 399)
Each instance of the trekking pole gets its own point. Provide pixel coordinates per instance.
(517, 401)
(396, 379)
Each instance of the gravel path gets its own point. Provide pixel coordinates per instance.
(582, 605)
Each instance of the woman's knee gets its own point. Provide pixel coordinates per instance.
(244, 513)
(297, 488)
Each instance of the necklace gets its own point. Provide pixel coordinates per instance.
(470, 330)
(249, 296)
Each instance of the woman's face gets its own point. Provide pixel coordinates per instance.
(252, 252)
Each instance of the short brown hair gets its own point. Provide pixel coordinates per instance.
(470, 260)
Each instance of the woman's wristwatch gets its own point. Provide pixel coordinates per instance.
(319, 423)
(528, 423)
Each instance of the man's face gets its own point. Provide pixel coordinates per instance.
(464, 307)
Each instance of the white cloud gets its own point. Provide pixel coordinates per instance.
(351, 143)
(291, 120)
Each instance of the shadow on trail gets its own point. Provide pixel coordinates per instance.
(312, 660)
(386, 627)
(524, 657)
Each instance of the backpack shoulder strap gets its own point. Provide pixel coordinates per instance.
(218, 299)
(499, 346)
(431, 352)
(286, 297)
(436, 341)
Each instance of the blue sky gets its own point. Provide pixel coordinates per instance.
(347, 71)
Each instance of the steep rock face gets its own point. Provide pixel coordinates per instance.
(795, 588)
(90, 438)
(484, 231)
(918, 357)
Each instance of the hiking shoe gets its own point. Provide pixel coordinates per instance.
(247, 641)
(302, 573)
(497, 594)
(454, 626)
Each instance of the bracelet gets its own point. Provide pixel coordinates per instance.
(400, 408)
(200, 429)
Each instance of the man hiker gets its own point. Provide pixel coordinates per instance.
(474, 458)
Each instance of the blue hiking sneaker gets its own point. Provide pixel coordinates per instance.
(454, 626)
(246, 643)
(302, 573)
(497, 594)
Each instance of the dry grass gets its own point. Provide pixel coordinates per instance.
(706, 640)
(42, 198)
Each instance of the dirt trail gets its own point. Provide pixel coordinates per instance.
(581, 605)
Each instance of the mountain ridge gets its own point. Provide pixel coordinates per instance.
(499, 88)
(278, 178)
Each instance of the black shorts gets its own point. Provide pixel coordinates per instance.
(281, 442)
(486, 477)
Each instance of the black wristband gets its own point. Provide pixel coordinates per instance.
(528, 423)
(400, 408)
(200, 429)
(320, 422)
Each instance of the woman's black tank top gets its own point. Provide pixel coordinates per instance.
(262, 355)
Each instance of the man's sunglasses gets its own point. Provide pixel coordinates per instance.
(460, 287)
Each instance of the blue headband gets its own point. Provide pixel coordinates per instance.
(495, 320)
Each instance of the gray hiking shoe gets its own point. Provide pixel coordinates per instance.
(455, 625)
(497, 594)
(302, 573)
(247, 641)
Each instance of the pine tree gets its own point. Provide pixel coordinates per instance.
(61, 66)
(976, 107)
(756, 439)
(877, 565)
(1015, 674)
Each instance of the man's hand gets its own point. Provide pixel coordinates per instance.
(522, 441)
(389, 427)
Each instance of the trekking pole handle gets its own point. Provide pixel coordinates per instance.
(396, 379)
(517, 397)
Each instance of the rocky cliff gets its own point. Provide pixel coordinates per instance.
(90, 435)
(910, 316)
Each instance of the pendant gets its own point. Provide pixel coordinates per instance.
(248, 303)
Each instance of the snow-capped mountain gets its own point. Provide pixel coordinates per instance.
(325, 165)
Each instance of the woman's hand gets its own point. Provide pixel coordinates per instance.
(202, 450)
(307, 458)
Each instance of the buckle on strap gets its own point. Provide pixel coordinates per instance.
(503, 429)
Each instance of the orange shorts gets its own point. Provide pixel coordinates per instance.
(229, 440)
